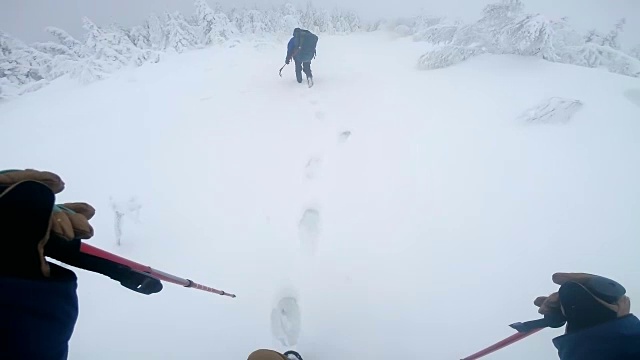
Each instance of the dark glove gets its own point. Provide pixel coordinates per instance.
(28, 217)
(287, 60)
(585, 300)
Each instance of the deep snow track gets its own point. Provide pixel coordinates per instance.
(384, 213)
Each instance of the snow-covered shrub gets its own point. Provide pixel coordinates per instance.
(447, 55)
(379, 24)
(20, 65)
(506, 29)
(441, 33)
(88, 70)
(595, 56)
(555, 110)
(402, 30)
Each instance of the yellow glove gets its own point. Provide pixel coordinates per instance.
(29, 219)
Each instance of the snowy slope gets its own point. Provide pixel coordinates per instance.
(427, 230)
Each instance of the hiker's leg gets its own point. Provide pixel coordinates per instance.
(299, 71)
(307, 69)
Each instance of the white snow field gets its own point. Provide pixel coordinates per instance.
(408, 214)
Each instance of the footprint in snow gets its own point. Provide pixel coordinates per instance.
(320, 115)
(309, 231)
(285, 321)
(344, 136)
(312, 169)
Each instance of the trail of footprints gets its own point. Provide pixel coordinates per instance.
(310, 222)
(285, 316)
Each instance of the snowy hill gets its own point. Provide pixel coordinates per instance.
(409, 214)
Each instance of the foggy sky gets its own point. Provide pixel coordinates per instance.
(26, 19)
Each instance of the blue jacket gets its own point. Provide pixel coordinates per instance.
(298, 54)
(615, 340)
(37, 317)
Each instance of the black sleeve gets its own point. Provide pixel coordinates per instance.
(37, 316)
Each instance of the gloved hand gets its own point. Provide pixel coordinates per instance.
(287, 60)
(585, 300)
(264, 354)
(29, 218)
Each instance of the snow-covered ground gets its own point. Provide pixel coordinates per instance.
(408, 214)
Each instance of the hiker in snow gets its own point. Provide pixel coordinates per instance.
(302, 49)
(597, 313)
(264, 354)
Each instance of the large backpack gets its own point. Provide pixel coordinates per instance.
(309, 42)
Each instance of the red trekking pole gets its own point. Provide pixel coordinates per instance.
(132, 275)
(501, 344)
(160, 275)
(524, 329)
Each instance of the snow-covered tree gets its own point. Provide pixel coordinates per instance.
(140, 37)
(21, 64)
(324, 22)
(101, 45)
(154, 26)
(308, 18)
(339, 22)
(66, 40)
(121, 40)
(292, 19)
(610, 39)
(213, 27)
(253, 22)
(63, 59)
(529, 35)
(205, 18)
(237, 19)
(223, 27)
(179, 35)
(613, 37)
(352, 21)
(495, 18)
